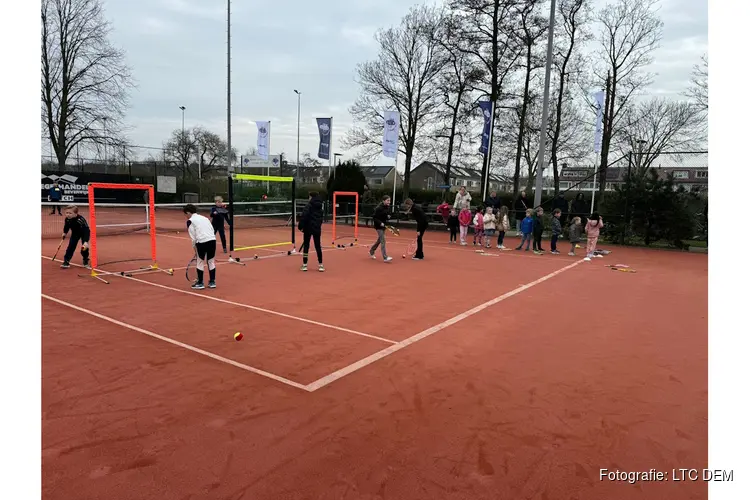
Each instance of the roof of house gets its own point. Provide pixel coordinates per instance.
(617, 174)
(468, 173)
(377, 170)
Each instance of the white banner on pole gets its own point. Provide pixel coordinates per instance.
(264, 138)
(390, 133)
(599, 97)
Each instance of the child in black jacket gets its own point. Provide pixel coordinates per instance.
(538, 230)
(453, 225)
(421, 219)
(379, 221)
(310, 223)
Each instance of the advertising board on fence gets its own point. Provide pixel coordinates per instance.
(75, 187)
(166, 184)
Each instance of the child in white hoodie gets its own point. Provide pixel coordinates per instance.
(490, 223)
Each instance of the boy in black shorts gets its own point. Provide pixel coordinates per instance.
(204, 241)
(310, 223)
(79, 231)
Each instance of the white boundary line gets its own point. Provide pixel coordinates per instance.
(254, 308)
(179, 344)
(332, 377)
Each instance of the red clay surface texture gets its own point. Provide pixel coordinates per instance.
(528, 398)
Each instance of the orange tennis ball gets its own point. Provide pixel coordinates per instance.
(238, 336)
(403, 256)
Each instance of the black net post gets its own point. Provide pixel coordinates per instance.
(230, 194)
(294, 212)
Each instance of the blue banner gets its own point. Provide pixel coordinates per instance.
(486, 107)
(324, 129)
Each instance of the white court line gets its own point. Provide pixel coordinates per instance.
(179, 344)
(254, 308)
(347, 370)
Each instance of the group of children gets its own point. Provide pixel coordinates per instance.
(486, 223)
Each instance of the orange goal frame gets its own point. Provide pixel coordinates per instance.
(356, 213)
(92, 186)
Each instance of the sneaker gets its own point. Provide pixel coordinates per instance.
(527, 249)
(321, 269)
(87, 265)
(387, 259)
(499, 247)
(416, 258)
(502, 247)
(65, 265)
(587, 259)
(372, 256)
(303, 268)
(211, 284)
(463, 243)
(537, 252)
(572, 254)
(225, 250)
(554, 252)
(198, 286)
(599, 256)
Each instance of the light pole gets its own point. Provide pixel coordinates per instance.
(299, 102)
(545, 107)
(183, 119)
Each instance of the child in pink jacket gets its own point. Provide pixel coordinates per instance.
(464, 219)
(593, 226)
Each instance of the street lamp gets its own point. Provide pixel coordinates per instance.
(183, 119)
(299, 101)
(335, 155)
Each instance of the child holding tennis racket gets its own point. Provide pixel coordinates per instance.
(490, 222)
(593, 226)
(379, 221)
(219, 214)
(478, 226)
(79, 231)
(464, 219)
(421, 219)
(204, 243)
(310, 223)
(503, 225)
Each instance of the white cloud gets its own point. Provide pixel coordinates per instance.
(359, 35)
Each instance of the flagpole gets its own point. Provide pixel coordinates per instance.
(330, 149)
(489, 148)
(395, 178)
(268, 157)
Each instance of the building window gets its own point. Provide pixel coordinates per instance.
(609, 187)
(565, 185)
(681, 174)
(430, 183)
(377, 182)
(463, 182)
(701, 174)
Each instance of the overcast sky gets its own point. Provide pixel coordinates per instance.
(177, 49)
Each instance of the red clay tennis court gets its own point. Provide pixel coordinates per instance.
(464, 376)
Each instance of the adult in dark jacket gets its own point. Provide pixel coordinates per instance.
(562, 204)
(421, 219)
(520, 206)
(55, 196)
(494, 202)
(579, 207)
(310, 223)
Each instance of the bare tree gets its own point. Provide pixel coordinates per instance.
(698, 90)
(630, 32)
(84, 79)
(658, 126)
(403, 77)
(455, 83)
(531, 27)
(574, 14)
(487, 30)
(196, 150)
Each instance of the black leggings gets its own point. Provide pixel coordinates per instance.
(72, 244)
(538, 242)
(206, 250)
(500, 237)
(306, 246)
(222, 236)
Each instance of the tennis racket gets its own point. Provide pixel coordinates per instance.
(393, 230)
(58, 248)
(191, 271)
(411, 249)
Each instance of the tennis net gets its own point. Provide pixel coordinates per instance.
(117, 218)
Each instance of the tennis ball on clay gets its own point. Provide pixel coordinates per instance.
(238, 336)
(403, 256)
(255, 256)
